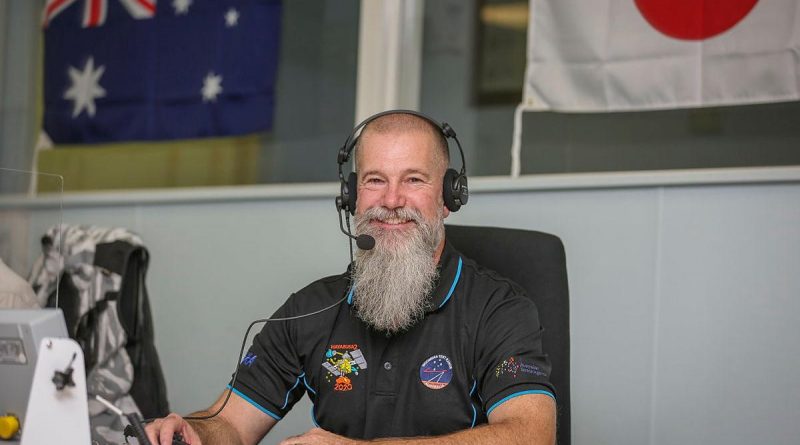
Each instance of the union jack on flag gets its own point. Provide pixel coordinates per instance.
(94, 11)
(125, 70)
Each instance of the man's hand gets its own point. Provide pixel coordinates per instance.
(240, 423)
(318, 436)
(160, 431)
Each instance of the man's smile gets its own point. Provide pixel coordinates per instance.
(392, 223)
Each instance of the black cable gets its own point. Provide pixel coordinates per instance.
(241, 352)
(347, 222)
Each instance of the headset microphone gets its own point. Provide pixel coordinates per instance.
(363, 241)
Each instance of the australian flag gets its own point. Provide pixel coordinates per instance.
(124, 70)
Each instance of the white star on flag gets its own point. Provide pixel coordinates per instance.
(181, 6)
(231, 18)
(212, 86)
(85, 88)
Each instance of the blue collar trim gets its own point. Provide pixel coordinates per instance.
(453, 286)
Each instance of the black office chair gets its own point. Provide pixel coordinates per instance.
(535, 261)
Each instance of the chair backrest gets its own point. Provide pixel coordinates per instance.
(536, 261)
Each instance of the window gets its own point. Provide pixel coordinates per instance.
(472, 55)
(315, 102)
(459, 34)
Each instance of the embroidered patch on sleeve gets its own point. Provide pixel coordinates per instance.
(512, 367)
(249, 359)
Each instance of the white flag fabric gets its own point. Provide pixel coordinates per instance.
(621, 55)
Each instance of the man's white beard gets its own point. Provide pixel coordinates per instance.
(392, 281)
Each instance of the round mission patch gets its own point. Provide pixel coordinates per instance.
(436, 372)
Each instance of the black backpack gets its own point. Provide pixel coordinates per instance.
(130, 261)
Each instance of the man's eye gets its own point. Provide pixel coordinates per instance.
(414, 180)
(374, 181)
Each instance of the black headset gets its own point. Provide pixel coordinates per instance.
(454, 190)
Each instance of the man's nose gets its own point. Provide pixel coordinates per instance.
(393, 198)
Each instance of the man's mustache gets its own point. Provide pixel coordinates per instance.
(384, 214)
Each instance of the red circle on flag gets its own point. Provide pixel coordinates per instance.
(694, 19)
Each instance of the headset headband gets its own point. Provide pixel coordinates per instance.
(349, 145)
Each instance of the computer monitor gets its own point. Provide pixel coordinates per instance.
(21, 332)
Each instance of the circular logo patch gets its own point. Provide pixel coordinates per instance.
(436, 372)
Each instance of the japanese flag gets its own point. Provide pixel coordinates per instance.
(617, 55)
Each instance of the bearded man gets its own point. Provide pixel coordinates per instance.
(425, 347)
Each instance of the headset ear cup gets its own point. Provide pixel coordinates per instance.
(352, 192)
(450, 190)
(463, 190)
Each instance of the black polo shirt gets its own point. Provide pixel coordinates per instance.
(479, 345)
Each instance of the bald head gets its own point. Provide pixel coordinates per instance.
(405, 123)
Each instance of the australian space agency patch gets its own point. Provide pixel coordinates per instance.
(436, 372)
(249, 359)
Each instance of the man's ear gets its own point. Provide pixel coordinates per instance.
(446, 212)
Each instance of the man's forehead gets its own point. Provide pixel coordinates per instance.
(401, 122)
(374, 139)
(417, 144)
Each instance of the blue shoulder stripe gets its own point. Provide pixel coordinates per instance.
(472, 404)
(297, 382)
(305, 382)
